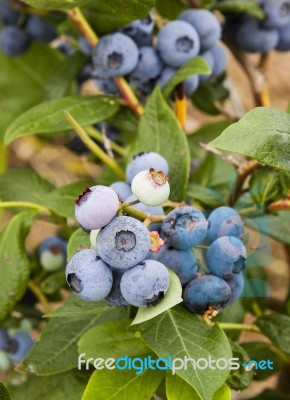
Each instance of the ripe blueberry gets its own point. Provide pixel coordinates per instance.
(145, 161)
(14, 41)
(224, 221)
(122, 189)
(18, 346)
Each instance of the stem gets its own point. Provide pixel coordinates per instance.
(125, 205)
(84, 27)
(239, 327)
(257, 309)
(95, 134)
(283, 204)
(25, 204)
(243, 172)
(40, 296)
(129, 96)
(95, 149)
(82, 24)
(141, 215)
(180, 104)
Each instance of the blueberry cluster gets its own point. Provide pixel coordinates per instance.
(253, 35)
(131, 52)
(17, 29)
(117, 267)
(15, 346)
(125, 265)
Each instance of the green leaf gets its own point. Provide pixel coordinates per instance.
(111, 340)
(178, 389)
(206, 97)
(79, 240)
(4, 394)
(61, 200)
(53, 283)
(196, 66)
(58, 83)
(268, 185)
(108, 16)
(49, 117)
(170, 8)
(277, 328)
(115, 385)
(178, 333)
(57, 4)
(233, 313)
(23, 78)
(76, 307)
(171, 299)
(237, 6)
(69, 385)
(259, 351)
(208, 198)
(262, 134)
(240, 379)
(159, 131)
(277, 225)
(27, 186)
(14, 264)
(205, 134)
(57, 351)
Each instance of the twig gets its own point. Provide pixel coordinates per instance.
(40, 296)
(95, 134)
(129, 96)
(228, 158)
(95, 149)
(106, 142)
(243, 172)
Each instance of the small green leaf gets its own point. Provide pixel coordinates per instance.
(79, 240)
(196, 66)
(61, 200)
(27, 186)
(170, 8)
(66, 386)
(115, 385)
(14, 264)
(57, 4)
(237, 6)
(4, 394)
(206, 97)
(277, 328)
(48, 117)
(240, 379)
(268, 185)
(76, 307)
(159, 131)
(233, 313)
(208, 198)
(262, 134)
(171, 299)
(179, 333)
(111, 340)
(53, 283)
(58, 83)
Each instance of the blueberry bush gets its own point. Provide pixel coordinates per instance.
(158, 242)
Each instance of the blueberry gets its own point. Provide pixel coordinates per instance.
(85, 46)
(277, 13)
(226, 256)
(191, 84)
(158, 210)
(220, 60)
(184, 227)
(209, 59)
(8, 16)
(224, 221)
(14, 41)
(52, 253)
(149, 65)
(40, 30)
(145, 161)
(177, 43)
(115, 297)
(122, 189)
(3, 338)
(151, 187)
(182, 262)
(89, 276)
(115, 55)
(236, 284)
(206, 295)
(18, 346)
(96, 207)
(140, 31)
(145, 284)
(165, 76)
(206, 24)
(284, 39)
(123, 243)
(252, 37)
